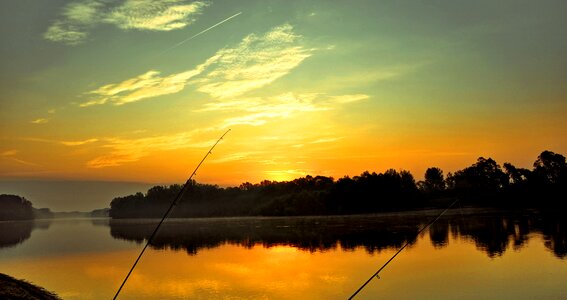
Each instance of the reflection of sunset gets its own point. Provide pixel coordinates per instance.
(284, 272)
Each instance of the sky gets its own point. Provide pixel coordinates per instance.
(138, 90)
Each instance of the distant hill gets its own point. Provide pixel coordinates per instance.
(14, 207)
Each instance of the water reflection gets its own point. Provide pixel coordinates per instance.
(495, 233)
(297, 258)
(491, 232)
(13, 233)
(306, 233)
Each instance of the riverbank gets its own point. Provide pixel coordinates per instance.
(11, 288)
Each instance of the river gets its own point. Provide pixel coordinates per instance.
(467, 254)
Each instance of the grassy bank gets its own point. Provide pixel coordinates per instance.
(11, 288)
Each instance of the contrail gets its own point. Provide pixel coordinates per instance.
(198, 34)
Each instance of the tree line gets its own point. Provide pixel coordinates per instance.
(14, 207)
(484, 183)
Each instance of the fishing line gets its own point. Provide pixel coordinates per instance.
(173, 203)
(400, 250)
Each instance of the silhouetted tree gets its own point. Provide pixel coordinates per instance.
(483, 176)
(550, 168)
(515, 175)
(483, 183)
(434, 180)
(13, 207)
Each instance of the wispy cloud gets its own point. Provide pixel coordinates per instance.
(117, 151)
(11, 155)
(342, 99)
(130, 150)
(79, 17)
(255, 62)
(238, 156)
(8, 153)
(40, 121)
(259, 110)
(370, 77)
(326, 140)
(147, 85)
(155, 15)
(79, 143)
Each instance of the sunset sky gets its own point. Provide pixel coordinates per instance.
(139, 90)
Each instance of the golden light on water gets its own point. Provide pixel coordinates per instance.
(285, 272)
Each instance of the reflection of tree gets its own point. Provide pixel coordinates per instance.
(439, 233)
(554, 230)
(495, 233)
(13, 233)
(306, 233)
(492, 233)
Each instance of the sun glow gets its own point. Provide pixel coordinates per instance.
(303, 95)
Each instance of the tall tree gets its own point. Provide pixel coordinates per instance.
(550, 168)
(434, 180)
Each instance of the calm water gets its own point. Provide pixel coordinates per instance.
(468, 254)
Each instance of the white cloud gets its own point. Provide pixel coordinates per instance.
(147, 85)
(259, 110)
(83, 11)
(65, 33)
(254, 63)
(79, 17)
(155, 15)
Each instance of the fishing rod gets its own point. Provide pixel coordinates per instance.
(173, 203)
(400, 250)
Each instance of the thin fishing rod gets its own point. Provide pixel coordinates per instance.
(400, 250)
(173, 203)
